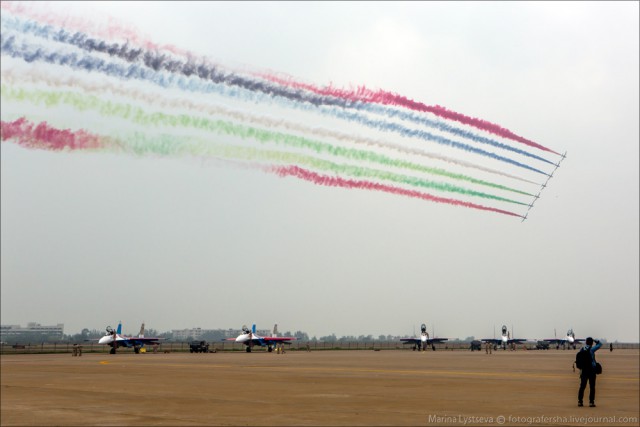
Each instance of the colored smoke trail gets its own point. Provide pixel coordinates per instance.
(359, 99)
(44, 136)
(139, 116)
(366, 185)
(427, 136)
(172, 146)
(136, 97)
(47, 137)
(110, 31)
(90, 64)
(362, 94)
(160, 101)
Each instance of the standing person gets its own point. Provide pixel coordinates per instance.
(610, 346)
(489, 348)
(588, 372)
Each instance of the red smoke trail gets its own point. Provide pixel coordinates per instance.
(44, 136)
(332, 181)
(362, 94)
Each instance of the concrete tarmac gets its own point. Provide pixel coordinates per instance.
(365, 387)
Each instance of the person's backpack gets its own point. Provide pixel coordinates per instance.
(598, 368)
(583, 359)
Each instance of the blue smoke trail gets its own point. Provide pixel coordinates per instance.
(158, 62)
(133, 71)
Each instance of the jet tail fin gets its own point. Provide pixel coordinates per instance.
(141, 334)
(119, 330)
(275, 330)
(253, 329)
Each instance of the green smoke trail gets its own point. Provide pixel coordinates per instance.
(139, 116)
(168, 145)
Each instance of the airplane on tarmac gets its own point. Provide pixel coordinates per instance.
(421, 342)
(505, 340)
(249, 338)
(115, 339)
(570, 340)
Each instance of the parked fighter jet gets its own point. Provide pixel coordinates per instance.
(505, 340)
(570, 340)
(250, 339)
(421, 342)
(115, 339)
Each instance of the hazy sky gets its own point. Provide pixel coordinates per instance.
(90, 239)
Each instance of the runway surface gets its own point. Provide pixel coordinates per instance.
(318, 388)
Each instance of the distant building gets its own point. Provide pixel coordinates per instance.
(7, 331)
(187, 334)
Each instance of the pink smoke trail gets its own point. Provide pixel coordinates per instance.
(113, 30)
(44, 136)
(361, 94)
(333, 181)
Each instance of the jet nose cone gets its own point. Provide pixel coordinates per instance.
(104, 340)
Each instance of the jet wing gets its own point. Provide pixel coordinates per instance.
(141, 341)
(410, 340)
(496, 341)
(272, 340)
(555, 341)
(516, 340)
(437, 340)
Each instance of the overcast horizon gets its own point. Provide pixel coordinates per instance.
(92, 238)
(266, 331)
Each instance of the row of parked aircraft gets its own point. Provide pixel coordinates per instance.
(114, 338)
(504, 341)
(249, 337)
